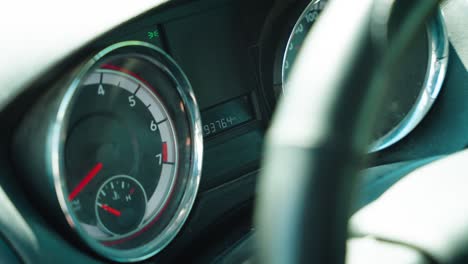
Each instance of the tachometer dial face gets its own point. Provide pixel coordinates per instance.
(127, 151)
(413, 90)
(118, 127)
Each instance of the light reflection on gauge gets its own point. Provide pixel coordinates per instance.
(414, 89)
(128, 152)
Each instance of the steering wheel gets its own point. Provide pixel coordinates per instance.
(317, 144)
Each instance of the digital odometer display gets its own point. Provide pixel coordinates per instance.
(226, 116)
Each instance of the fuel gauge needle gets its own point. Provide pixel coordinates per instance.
(93, 172)
(109, 209)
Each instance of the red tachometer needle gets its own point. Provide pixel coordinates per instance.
(93, 172)
(109, 209)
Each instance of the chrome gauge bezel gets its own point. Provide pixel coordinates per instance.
(57, 136)
(435, 75)
(438, 54)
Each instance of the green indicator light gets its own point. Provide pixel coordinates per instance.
(153, 34)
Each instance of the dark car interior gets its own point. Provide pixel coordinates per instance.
(234, 131)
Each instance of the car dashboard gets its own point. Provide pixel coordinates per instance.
(203, 77)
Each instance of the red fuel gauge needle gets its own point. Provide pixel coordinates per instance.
(109, 209)
(93, 172)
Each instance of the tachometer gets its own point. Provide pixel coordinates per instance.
(122, 145)
(118, 126)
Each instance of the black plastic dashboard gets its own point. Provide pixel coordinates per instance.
(214, 42)
(225, 48)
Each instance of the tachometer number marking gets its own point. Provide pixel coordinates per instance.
(153, 126)
(101, 90)
(131, 100)
(159, 157)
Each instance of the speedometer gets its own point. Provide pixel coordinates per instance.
(122, 145)
(298, 34)
(414, 88)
